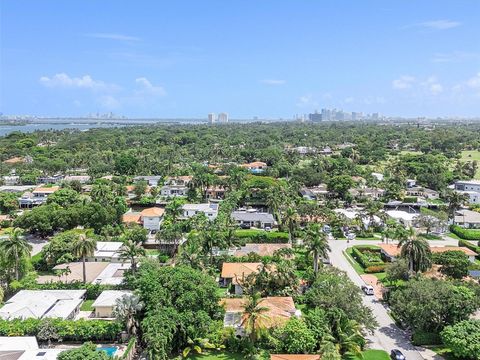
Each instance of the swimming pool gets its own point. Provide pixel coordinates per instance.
(110, 350)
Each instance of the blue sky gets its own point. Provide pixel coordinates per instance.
(268, 58)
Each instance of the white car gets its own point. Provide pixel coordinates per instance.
(367, 289)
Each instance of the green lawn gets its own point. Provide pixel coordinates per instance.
(471, 155)
(152, 251)
(375, 355)
(453, 236)
(87, 305)
(443, 352)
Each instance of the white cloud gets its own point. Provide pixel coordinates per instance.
(307, 101)
(113, 36)
(474, 82)
(273, 82)
(439, 24)
(403, 82)
(147, 88)
(432, 85)
(62, 80)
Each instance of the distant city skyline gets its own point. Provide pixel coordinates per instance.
(269, 59)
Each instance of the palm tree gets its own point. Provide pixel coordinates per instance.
(274, 202)
(15, 247)
(349, 338)
(131, 251)
(291, 218)
(455, 201)
(416, 251)
(317, 244)
(82, 247)
(253, 311)
(126, 309)
(191, 253)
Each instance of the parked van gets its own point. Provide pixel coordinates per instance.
(367, 289)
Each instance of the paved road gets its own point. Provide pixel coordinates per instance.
(387, 336)
(37, 243)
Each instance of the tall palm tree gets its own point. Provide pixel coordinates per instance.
(274, 202)
(253, 311)
(15, 247)
(349, 338)
(82, 247)
(416, 251)
(317, 244)
(130, 251)
(126, 310)
(191, 253)
(291, 219)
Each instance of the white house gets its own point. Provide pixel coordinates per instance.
(11, 180)
(39, 304)
(105, 304)
(25, 348)
(37, 197)
(82, 179)
(402, 217)
(107, 251)
(470, 188)
(210, 210)
(152, 218)
(176, 186)
(467, 219)
(152, 180)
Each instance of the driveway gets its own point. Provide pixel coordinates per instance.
(388, 335)
(37, 243)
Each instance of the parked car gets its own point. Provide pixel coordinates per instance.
(367, 289)
(396, 354)
(244, 226)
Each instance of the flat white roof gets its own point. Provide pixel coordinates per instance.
(107, 248)
(112, 274)
(201, 207)
(401, 215)
(40, 304)
(109, 297)
(18, 343)
(468, 182)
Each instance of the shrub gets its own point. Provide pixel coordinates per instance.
(375, 269)
(467, 234)
(463, 243)
(68, 330)
(420, 338)
(260, 236)
(368, 257)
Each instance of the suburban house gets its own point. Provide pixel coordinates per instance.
(467, 219)
(107, 251)
(365, 192)
(410, 183)
(315, 192)
(105, 304)
(403, 217)
(377, 176)
(210, 210)
(104, 273)
(215, 193)
(176, 186)
(16, 188)
(82, 179)
(40, 304)
(419, 191)
(260, 249)
(256, 167)
(233, 272)
(294, 357)
(150, 218)
(37, 197)
(471, 188)
(280, 309)
(152, 180)
(25, 348)
(11, 180)
(253, 218)
(390, 251)
(47, 179)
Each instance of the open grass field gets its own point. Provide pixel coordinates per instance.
(471, 155)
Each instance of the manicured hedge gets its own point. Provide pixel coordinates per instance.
(467, 234)
(68, 330)
(420, 338)
(464, 243)
(362, 259)
(260, 236)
